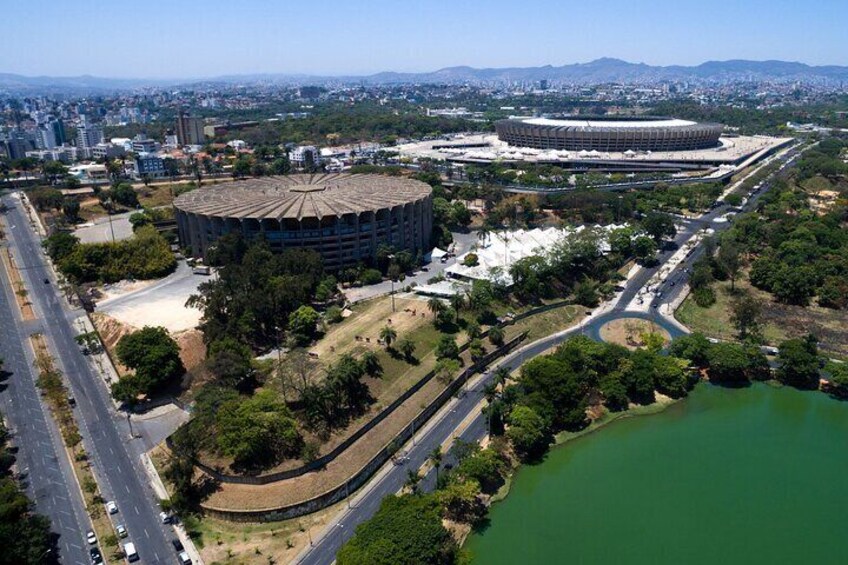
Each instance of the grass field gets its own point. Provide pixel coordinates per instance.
(546, 323)
(780, 321)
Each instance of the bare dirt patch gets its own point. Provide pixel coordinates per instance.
(628, 332)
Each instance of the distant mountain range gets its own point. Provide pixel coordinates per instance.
(599, 71)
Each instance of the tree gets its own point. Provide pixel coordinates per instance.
(302, 324)
(586, 293)
(555, 391)
(406, 529)
(695, 347)
(527, 432)
(799, 362)
(447, 348)
(138, 219)
(670, 376)
(435, 459)
(124, 195)
(407, 348)
(484, 466)
(388, 334)
(644, 249)
(446, 369)
(460, 501)
(496, 335)
(60, 245)
(730, 261)
(838, 376)
(154, 356)
(231, 362)
(614, 391)
(371, 364)
(659, 225)
(46, 198)
(834, 293)
(728, 363)
(745, 312)
(436, 305)
(258, 430)
(71, 209)
(794, 285)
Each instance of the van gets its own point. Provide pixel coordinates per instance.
(129, 551)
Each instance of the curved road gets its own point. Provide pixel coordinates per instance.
(465, 413)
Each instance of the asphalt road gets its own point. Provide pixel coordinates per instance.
(105, 432)
(41, 460)
(444, 424)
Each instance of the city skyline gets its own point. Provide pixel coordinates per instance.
(193, 41)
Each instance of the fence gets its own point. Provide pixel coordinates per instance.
(360, 477)
(322, 461)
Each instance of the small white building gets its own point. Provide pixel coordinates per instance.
(301, 155)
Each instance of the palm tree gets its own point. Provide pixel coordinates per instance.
(436, 306)
(457, 301)
(435, 457)
(412, 480)
(388, 335)
(371, 364)
(483, 234)
(407, 348)
(501, 375)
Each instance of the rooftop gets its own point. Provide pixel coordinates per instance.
(609, 123)
(303, 196)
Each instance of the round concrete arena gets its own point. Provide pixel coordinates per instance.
(343, 217)
(609, 133)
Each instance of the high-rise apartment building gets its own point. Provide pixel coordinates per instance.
(189, 130)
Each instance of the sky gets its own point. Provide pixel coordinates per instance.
(194, 39)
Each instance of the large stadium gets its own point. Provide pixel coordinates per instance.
(344, 217)
(609, 134)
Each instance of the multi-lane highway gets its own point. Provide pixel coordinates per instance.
(105, 433)
(45, 470)
(464, 413)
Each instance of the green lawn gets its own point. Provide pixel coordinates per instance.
(715, 320)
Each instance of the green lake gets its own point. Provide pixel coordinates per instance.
(755, 475)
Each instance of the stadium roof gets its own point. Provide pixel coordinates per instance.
(611, 123)
(302, 196)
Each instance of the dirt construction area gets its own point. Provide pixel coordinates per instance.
(161, 303)
(628, 332)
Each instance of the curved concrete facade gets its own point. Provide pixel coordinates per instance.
(343, 217)
(609, 134)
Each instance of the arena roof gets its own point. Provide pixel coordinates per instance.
(609, 123)
(302, 196)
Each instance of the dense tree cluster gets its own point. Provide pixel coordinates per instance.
(146, 255)
(553, 391)
(24, 536)
(155, 358)
(257, 431)
(555, 272)
(798, 253)
(256, 291)
(406, 529)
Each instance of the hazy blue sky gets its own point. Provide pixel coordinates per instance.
(181, 38)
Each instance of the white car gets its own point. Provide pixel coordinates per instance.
(91, 538)
(111, 507)
(165, 517)
(122, 531)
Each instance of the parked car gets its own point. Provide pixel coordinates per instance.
(122, 531)
(184, 558)
(165, 517)
(96, 557)
(111, 507)
(91, 538)
(178, 545)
